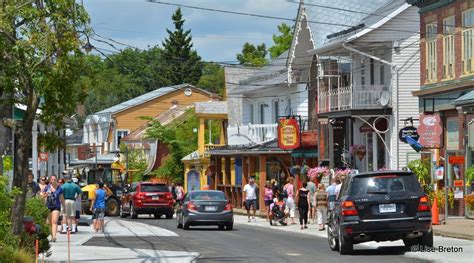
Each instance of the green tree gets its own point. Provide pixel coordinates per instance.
(41, 61)
(212, 78)
(282, 42)
(253, 55)
(181, 63)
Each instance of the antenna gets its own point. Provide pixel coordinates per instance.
(384, 98)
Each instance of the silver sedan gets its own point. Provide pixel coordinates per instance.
(206, 207)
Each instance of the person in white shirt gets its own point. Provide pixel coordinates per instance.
(249, 197)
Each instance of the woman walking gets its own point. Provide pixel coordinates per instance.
(321, 200)
(290, 202)
(303, 204)
(54, 200)
(268, 198)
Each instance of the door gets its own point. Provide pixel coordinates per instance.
(454, 190)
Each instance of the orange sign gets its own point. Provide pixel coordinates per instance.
(459, 159)
(288, 134)
(458, 183)
(43, 156)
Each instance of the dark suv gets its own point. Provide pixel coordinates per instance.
(147, 198)
(380, 206)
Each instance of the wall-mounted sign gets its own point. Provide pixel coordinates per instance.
(288, 134)
(430, 130)
(457, 159)
(458, 183)
(43, 156)
(408, 131)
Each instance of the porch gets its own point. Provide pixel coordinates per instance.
(354, 97)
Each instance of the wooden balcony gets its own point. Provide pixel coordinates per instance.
(353, 97)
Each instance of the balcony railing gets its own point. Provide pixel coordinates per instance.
(352, 97)
(251, 133)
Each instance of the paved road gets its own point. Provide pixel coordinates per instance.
(249, 244)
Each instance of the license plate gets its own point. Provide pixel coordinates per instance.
(155, 198)
(210, 208)
(387, 208)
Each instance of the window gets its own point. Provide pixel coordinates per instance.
(448, 47)
(276, 111)
(431, 69)
(251, 120)
(382, 74)
(467, 41)
(262, 113)
(362, 72)
(372, 75)
(120, 135)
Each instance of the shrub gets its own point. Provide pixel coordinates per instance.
(18, 255)
(37, 209)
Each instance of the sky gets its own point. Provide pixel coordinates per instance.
(216, 36)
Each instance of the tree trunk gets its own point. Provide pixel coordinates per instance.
(22, 154)
(5, 132)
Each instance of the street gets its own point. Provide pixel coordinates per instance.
(248, 244)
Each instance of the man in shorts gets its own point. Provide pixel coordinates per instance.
(70, 191)
(98, 207)
(250, 197)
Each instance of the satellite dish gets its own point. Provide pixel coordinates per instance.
(188, 92)
(384, 98)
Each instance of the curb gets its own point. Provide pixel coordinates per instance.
(443, 233)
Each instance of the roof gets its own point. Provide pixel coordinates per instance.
(211, 107)
(270, 147)
(326, 17)
(273, 74)
(147, 97)
(467, 98)
(75, 138)
(164, 118)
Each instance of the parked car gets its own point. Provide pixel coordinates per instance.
(380, 206)
(147, 198)
(206, 207)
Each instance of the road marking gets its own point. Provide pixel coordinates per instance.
(293, 254)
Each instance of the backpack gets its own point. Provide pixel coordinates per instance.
(51, 198)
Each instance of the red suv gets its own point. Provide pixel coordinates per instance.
(147, 198)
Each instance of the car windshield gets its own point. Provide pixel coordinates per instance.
(153, 188)
(385, 184)
(207, 196)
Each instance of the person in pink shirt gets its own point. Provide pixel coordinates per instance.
(290, 202)
(268, 197)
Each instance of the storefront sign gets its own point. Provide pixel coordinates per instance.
(430, 130)
(458, 183)
(408, 131)
(458, 159)
(43, 156)
(288, 134)
(452, 138)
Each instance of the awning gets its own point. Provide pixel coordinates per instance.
(304, 153)
(380, 125)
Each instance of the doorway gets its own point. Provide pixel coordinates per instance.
(454, 189)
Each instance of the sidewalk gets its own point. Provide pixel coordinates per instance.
(115, 227)
(457, 228)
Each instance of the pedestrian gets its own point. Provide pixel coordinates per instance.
(275, 189)
(321, 200)
(302, 199)
(249, 198)
(78, 206)
(70, 191)
(98, 208)
(32, 188)
(62, 221)
(43, 182)
(268, 198)
(338, 186)
(54, 200)
(173, 191)
(331, 192)
(179, 193)
(290, 202)
(312, 190)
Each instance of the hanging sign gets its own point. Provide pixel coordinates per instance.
(288, 134)
(458, 183)
(430, 130)
(43, 156)
(408, 131)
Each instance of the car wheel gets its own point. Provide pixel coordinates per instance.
(221, 227)
(112, 207)
(133, 212)
(157, 216)
(186, 226)
(332, 239)
(122, 214)
(229, 226)
(169, 215)
(427, 239)
(345, 244)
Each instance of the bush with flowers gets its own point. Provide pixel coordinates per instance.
(342, 173)
(318, 172)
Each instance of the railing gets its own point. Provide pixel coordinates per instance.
(251, 133)
(208, 147)
(352, 97)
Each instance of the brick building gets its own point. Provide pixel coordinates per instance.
(447, 88)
